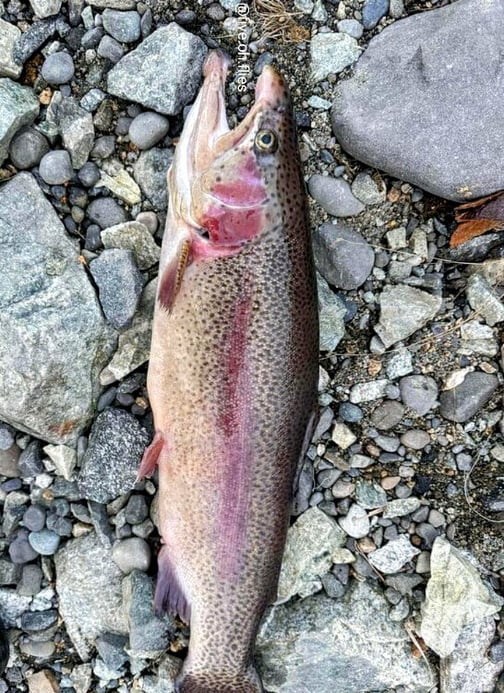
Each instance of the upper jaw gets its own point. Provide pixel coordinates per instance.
(206, 133)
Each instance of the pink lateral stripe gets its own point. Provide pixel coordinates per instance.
(235, 429)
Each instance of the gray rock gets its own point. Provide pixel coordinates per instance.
(136, 509)
(419, 392)
(387, 415)
(367, 392)
(113, 4)
(148, 634)
(455, 596)
(20, 550)
(9, 461)
(401, 507)
(49, 307)
(120, 284)
(9, 34)
(56, 167)
(147, 129)
(466, 399)
(373, 11)
(110, 49)
(415, 439)
(45, 8)
(334, 195)
(88, 584)
(311, 547)
(484, 300)
(369, 495)
(105, 212)
(332, 313)
(133, 236)
(111, 648)
(367, 191)
(132, 554)
(356, 522)
(164, 680)
(58, 68)
(18, 107)
(351, 27)
(37, 34)
(77, 130)
(45, 542)
(110, 463)
(394, 555)
(150, 173)
(414, 61)
(34, 518)
(38, 620)
(311, 641)
(30, 460)
(149, 220)
(134, 343)
(89, 174)
(476, 338)
(104, 147)
(92, 99)
(342, 256)
(469, 668)
(12, 606)
(396, 8)
(331, 52)
(123, 26)
(27, 147)
(403, 311)
(163, 73)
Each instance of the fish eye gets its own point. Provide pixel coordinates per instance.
(266, 141)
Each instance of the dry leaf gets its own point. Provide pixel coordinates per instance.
(477, 217)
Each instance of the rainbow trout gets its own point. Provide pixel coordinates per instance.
(232, 374)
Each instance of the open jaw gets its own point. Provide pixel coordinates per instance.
(206, 136)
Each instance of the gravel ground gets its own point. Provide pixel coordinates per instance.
(394, 568)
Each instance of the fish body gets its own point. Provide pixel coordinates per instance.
(232, 374)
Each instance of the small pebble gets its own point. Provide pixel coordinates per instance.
(147, 129)
(34, 518)
(27, 148)
(105, 212)
(123, 26)
(131, 554)
(58, 68)
(45, 542)
(110, 49)
(89, 174)
(55, 167)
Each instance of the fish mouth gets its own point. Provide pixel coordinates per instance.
(206, 133)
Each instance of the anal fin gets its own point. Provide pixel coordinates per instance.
(150, 457)
(169, 595)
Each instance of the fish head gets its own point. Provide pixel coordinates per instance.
(224, 184)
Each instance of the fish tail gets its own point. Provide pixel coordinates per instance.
(213, 682)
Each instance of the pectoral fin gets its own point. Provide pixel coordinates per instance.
(171, 278)
(150, 457)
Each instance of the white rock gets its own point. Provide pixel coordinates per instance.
(343, 436)
(455, 596)
(9, 34)
(367, 392)
(332, 52)
(394, 555)
(313, 543)
(45, 8)
(356, 522)
(64, 458)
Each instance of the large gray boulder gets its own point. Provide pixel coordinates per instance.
(89, 586)
(423, 105)
(163, 73)
(349, 645)
(53, 338)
